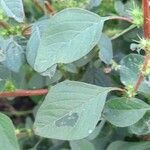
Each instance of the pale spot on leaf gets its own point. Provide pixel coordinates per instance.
(90, 131)
(68, 120)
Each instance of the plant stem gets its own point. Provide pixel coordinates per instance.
(124, 31)
(141, 76)
(38, 5)
(121, 18)
(22, 93)
(26, 31)
(146, 14)
(4, 25)
(49, 7)
(37, 144)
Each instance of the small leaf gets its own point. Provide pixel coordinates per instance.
(121, 145)
(71, 34)
(130, 70)
(13, 9)
(71, 110)
(106, 50)
(124, 112)
(8, 140)
(120, 8)
(81, 145)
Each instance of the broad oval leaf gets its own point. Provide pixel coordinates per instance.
(71, 110)
(71, 34)
(8, 140)
(106, 50)
(124, 112)
(121, 145)
(13, 8)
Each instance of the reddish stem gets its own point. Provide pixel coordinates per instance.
(121, 18)
(22, 93)
(4, 25)
(146, 14)
(49, 7)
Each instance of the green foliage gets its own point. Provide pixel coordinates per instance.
(106, 50)
(137, 16)
(62, 4)
(8, 140)
(67, 109)
(13, 9)
(98, 89)
(81, 145)
(9, 86)
(129, 145)
(124, 112)
(76, 25)
(142, 127)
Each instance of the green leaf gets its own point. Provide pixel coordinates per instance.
(120, 145)
(13, 54)
(34, 41)
(38, 81)
(2, 56)
(120, 8)
(8, 140)
(95, 3)
(124, 112)
(106, 50)
(13, 9)
(70, 68)
(33, 45)
(18, 79)
(5, 73)
(71, 34)
(81, 145)
(71, 110)
(130, 70)
(142, 127)
(84, 60)
(97, 77)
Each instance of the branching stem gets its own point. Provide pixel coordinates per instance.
(146, 14)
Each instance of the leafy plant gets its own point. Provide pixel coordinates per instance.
(74, 79)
